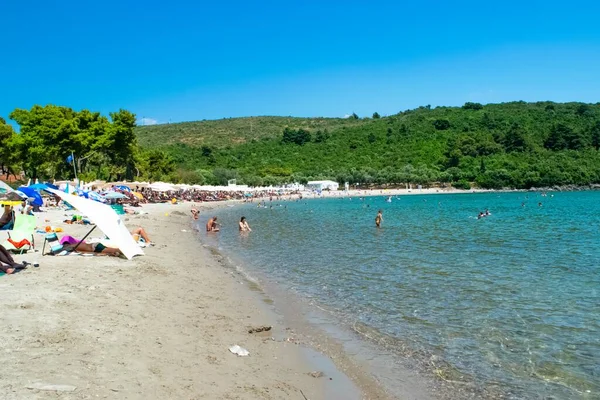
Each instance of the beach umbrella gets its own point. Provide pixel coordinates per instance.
(123, 188)
(38, 186)
(107, 220)
(114, 195)
(138, 195)
(35, 197)
(11, 198)
(95, 196)
(4, 188)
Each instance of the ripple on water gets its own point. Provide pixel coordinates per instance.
(511, 300)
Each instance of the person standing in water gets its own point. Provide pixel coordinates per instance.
(379, 218)
(244, 227)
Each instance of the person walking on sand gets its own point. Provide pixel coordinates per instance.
(212, 226)
(379, 218)
(244, 227)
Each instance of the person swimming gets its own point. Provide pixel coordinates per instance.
(483, 214)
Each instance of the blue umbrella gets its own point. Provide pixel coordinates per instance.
(114, 195)
(94, 196)
(123, 188)
(38, 186)
(32, 193)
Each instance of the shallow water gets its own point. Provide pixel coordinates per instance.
(511, 300)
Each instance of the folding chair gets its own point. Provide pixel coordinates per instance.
(20, 238)
(54, 244)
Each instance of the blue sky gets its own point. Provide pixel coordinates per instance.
(191, 60)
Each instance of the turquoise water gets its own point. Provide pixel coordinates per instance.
(511, 300)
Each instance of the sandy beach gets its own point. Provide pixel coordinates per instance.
(158, 326)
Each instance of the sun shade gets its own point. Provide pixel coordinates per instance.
(107, 220)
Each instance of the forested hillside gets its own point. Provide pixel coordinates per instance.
(514, 144)
(231, 131)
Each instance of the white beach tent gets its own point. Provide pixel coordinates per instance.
(107, 220)
(162, 187)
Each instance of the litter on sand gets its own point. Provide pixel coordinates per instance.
(260, 329)
(51, 387)
(240, 351)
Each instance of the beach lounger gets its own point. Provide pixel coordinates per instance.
(20, 238)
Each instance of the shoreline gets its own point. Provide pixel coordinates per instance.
(158, 326)
(360, 351)
(162, 323)
(320, 349)
(352, 352)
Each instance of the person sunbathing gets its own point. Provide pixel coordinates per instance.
(77, 219)
(140, 232)
(8, 218)
(7, 264)
(97, 248)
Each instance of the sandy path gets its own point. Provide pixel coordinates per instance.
(157, 327)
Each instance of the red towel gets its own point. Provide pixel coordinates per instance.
(20, 244)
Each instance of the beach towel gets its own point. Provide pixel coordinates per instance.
(68, 240)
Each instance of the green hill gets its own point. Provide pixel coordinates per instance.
(514, 144)
(230, 131)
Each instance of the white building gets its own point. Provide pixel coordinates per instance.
(322, 185)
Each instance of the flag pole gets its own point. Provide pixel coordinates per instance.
(74, 168)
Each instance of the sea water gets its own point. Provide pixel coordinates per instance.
(510, 300)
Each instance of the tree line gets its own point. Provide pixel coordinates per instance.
(508, 145)
(101, 147)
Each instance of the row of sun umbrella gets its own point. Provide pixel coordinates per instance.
(33, 193)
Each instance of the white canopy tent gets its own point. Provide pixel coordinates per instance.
(107, 220)
(162, 187)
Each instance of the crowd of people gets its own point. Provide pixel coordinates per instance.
(149, 195)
